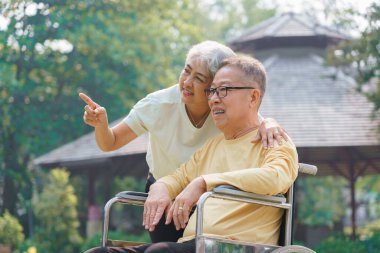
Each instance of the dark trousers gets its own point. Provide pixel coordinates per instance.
(162, 232)
(161, 247)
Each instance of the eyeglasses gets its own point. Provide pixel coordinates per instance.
(221, 91)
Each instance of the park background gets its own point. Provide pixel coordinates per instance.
(117, 52)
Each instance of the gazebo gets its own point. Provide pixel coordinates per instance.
(329, 121)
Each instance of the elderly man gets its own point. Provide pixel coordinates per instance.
(230, 158)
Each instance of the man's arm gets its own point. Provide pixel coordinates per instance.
(276, 174)
(181, 208)
(184, 186)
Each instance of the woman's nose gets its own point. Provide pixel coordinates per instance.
(188, 81)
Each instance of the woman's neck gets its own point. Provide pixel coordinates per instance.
(197, 113)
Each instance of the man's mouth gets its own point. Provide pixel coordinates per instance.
(217, 111)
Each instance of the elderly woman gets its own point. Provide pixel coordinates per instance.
(177, 119)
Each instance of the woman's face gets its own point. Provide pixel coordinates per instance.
(193, 79)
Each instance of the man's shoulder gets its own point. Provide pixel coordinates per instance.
(286, 146)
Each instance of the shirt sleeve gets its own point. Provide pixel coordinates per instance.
(188, 171)
(277, 173)
(142, 115)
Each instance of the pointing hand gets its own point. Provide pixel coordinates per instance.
(94, 114)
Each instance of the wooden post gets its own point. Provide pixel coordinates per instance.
(352, 182)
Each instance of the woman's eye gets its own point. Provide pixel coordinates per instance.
(200, 79)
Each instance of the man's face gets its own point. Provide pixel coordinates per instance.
(232, 111)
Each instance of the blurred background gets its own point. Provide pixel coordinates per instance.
(323, 63)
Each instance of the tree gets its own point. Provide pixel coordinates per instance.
(11, 231)
(223, 19)
(363, 55)
(320, 201)
(56, 215)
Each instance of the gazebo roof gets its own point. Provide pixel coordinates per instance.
(85, 152)
(318, 105)
(320, 109)
(286, 30)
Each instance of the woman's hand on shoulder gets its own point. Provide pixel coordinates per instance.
(270, 133)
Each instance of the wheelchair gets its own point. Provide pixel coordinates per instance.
(208, 244)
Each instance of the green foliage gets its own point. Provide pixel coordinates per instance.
(222, 20)
(363, 55)
(128, 184)
(340, 245)
(128, 218)
(343, 244)
(95, 240)
(11, 231)
(28, 246)
(57, 221)
(368, 191)
(320, 200)
(372, 243)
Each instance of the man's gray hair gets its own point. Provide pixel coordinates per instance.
(251, 67)
(211, 53)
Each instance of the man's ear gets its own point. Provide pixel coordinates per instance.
(255, 96)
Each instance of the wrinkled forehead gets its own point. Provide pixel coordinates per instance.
(230, 76)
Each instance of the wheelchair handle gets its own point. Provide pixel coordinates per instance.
(308, 169)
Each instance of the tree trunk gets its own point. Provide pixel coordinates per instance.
(12, 169)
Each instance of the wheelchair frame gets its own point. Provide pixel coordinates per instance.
(211, 244)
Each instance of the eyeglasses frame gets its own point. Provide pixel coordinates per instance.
(212, 91)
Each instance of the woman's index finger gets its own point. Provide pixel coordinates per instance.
(88, 100)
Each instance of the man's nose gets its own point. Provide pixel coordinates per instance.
(214, 98)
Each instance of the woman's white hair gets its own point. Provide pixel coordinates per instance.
(211, 53)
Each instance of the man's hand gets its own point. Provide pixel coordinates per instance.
(94, 114)
(270, 133)
(156, 204)
(180, 210)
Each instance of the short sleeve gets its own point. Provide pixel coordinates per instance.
(143, 115)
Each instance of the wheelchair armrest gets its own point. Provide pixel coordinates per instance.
(233, 191)
(126, 197)
(131, 195)
(228, 192)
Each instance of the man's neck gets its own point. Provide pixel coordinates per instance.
(239, 131)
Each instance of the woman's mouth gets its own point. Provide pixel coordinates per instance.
(187, 93)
